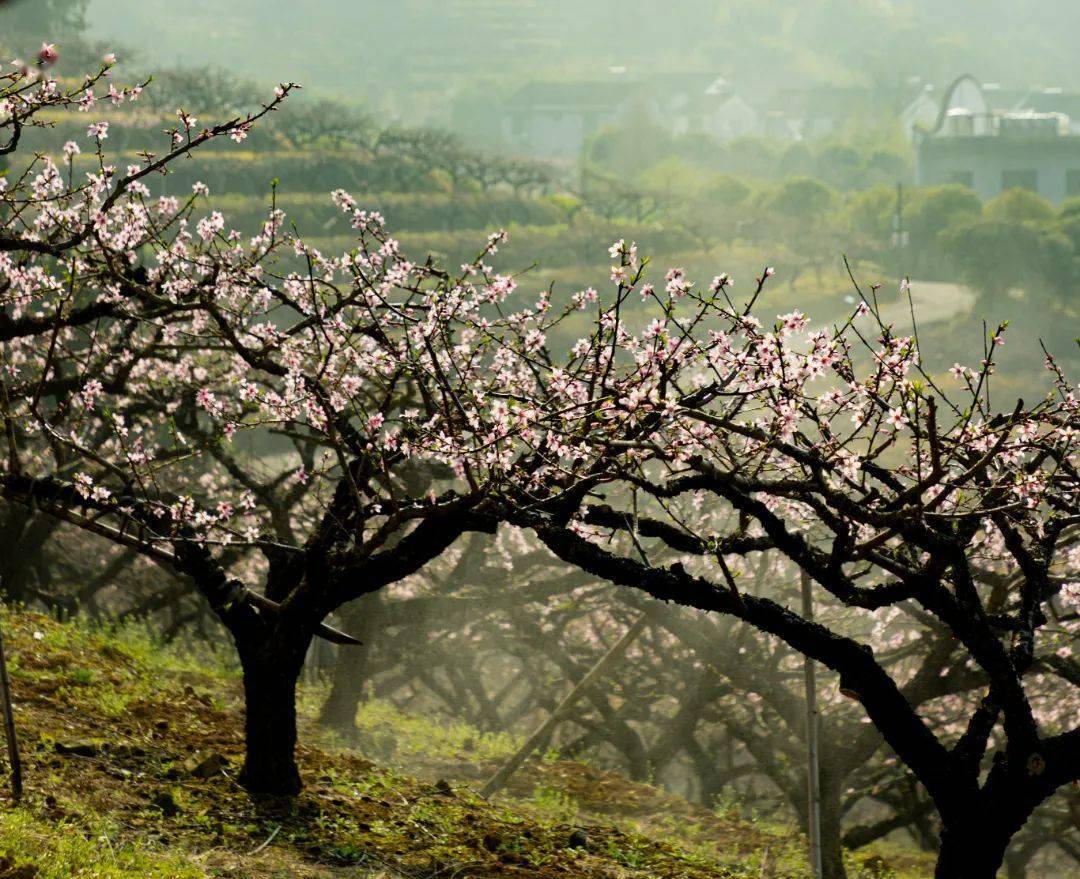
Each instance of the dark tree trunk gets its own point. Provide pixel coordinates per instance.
(270, 675)
(346, 691)
(830, 783)
(832, 849)
(29, 532)
(974, 850)
(362, 619)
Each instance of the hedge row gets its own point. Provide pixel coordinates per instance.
(313, 213)
(549, 247)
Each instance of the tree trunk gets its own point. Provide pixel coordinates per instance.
(29, 532)
(832, 849)
(346, 691)
(971, 851)
(1016, 865)
(270, 676)
(362, 619)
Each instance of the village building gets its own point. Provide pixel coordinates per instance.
(554, 119)
(991, 140)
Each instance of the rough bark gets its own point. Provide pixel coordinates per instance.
(832, 849)
(270, 675)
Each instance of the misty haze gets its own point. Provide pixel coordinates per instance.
(503, 438)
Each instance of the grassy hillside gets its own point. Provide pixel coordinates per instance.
(131, 748)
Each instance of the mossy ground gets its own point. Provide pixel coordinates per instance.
(124, 805)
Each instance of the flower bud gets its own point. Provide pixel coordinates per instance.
(47, 54)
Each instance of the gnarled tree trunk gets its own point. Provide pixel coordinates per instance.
(271, 670)
(972, 850)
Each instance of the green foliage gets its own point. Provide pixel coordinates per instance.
(629, 149)
(802, 199)
(1070, 208)
(1019, 206)
(81, 677)
(726, 190)
(798, 160)
(995, 256)
(1068, 225)
(870, 213)
(673, 175)
(838, 164)
(864, 154)
(936, 209)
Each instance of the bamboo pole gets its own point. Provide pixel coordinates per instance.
(498, 781)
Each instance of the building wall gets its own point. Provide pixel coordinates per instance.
(1049, 166)
(921, 113)
(735, 118)
(559, 131)
(551, 134)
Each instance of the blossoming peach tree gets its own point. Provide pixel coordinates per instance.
(837, 449)
(145, 348)
(152, 356)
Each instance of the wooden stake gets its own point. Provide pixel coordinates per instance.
(9, 727)
(498, 781)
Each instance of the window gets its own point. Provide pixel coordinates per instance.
(1020, 180)
(1072, 182)
(964, 178)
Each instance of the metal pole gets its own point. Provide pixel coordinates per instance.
(813, 782)
(898, 219)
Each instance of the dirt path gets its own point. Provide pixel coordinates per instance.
(934, 302)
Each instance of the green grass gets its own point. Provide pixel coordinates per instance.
(149, 706)
(80, 851)
(424, 736)
(553, 805)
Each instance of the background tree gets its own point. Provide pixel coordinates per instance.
(883, 478)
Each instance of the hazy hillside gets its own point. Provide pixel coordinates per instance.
(407, 56)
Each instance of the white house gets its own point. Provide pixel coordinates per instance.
(554, 119)
(977, 144)
(717, 111)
